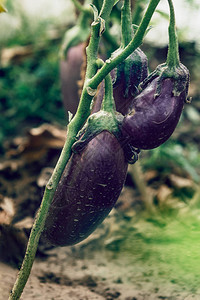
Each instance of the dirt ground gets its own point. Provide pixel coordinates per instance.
(134, 255)
(97, 269)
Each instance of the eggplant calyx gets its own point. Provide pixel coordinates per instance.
(104, 121)
(179, 75)
(96, 123)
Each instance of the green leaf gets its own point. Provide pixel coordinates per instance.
(116, 1)
(163, 14)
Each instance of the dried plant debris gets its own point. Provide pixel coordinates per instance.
(37, 143)
(24, 172)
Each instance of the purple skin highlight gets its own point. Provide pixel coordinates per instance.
(89, 188)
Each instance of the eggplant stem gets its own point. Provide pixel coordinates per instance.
(126, 23)
(81, 7)
(173, 59)
(108, 103)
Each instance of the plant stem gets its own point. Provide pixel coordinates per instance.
(136, 42)
(110, 39)
(108, 103)
(73, 128)
(126, 23)
(173, 51)
(90, 86)
(79, 6)
(106, 9)
(138, 178)
(138, 9)
(40, 219)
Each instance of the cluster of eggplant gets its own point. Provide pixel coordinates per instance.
(148, 109)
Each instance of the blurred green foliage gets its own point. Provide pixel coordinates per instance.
(30, 86)
(173, 155)
(30, 91)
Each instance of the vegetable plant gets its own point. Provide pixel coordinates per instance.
(155, 112)
(100, 143)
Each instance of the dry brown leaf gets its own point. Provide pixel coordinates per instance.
(44, 177)
(163, 193)
(26, 223)
(38, 141)
(7, 210)
(151, 174)
(15, 54)
(180, 182)
(12, 165)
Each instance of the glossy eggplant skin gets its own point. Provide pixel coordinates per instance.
(152, 120)
(126, 78)
(89, 187)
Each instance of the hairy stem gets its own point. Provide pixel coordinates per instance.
(110, 39)
(40, 219)
(173, 51)
(138, 9)
(79, 6)
(73, 128)
(126, 23)
(108, 103)
(106, 9)
(89, 88)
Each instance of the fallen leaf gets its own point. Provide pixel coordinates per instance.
(7, 210)
(163, 193)
(26, 223)
(38, 141)
(180, 182)
(15, 54)
(44, 177)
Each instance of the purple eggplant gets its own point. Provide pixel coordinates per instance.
(126, 79)
(70, 70)
(153, 117)
(88, 189)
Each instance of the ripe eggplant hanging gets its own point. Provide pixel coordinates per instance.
(89, 187)
(92, 179)
(70, 70)
(155, 112)
(153, 118)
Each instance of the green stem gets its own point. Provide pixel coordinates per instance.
(90, 85)
(108, 103)
(136, 42)
(78, 33)
(110, 39)
(126, 23)
(98, 4)
(106, 9)
(138, 9)
(41, 217)
(79, 6)
(73, 128)
(173, 51)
